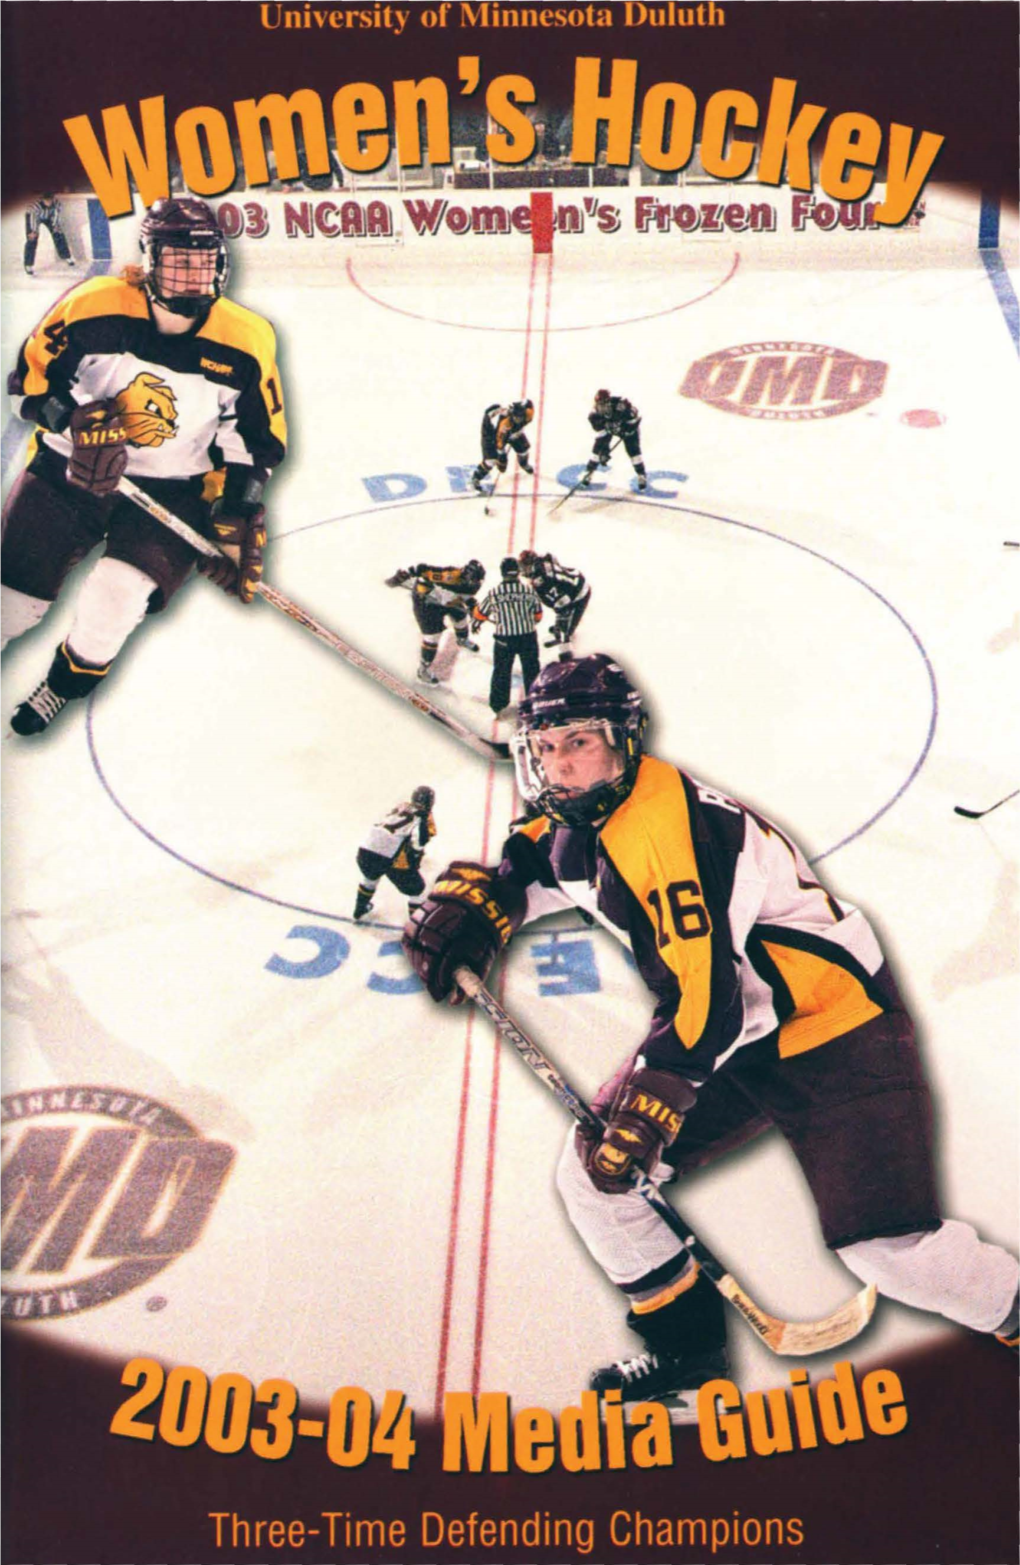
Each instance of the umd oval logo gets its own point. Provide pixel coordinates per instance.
(791, 381)
(101, 1190)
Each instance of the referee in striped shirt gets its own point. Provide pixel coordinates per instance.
(515, 611)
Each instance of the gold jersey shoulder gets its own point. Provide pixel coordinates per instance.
(235, 326)
(102, 296)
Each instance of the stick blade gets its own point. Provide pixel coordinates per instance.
(971, 815)
(797, 1339)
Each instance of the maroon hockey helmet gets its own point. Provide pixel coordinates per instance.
(602, 400)
(183, 224)
(591, 692)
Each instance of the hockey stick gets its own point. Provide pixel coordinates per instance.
(975, 815)
(793, 1338)
(491, 492)
(580, 482)
(489, 749)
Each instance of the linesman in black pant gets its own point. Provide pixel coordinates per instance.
(47, 212)
(515, 611)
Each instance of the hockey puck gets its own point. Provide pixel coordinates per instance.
(1010, 543)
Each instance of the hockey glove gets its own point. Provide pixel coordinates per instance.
(460, 924)
(99, 440)
(645, 1119)
(242, 539)
(398, 578)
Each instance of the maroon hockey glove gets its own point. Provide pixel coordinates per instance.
(242, 538)
(99, 441)
(460, 924)
(645, 1119)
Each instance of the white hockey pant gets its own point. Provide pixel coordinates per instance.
(18, 613)
(622, 1232)
(112, 601)
(951, 1272)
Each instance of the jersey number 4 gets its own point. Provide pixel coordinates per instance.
(689, 917)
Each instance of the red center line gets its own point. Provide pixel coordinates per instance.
(490, 1157)
(524, 392)
(458, 1168)
(458, 1157)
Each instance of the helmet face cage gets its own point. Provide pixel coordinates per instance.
(473, 571)
(602, 400)
(563, 804)
(591, 693)
(422, 799)
(521, 412)
(173, 233)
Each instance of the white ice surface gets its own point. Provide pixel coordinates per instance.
(787, 611)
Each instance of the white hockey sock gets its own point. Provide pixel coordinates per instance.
(18, 613)
(111, 603)
(622, 1232)
(951, 1272)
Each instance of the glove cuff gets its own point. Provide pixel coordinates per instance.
(243, 489)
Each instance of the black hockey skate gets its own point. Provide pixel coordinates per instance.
(467, 644)
(38, 712)
(659, 1377)
(685, 1345)
(425, 676)
(362, 906)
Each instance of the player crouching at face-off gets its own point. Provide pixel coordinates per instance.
(503, 432)
(774, 1006)
(156, 375)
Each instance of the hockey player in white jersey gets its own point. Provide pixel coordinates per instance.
(775, 1006)
(560, 588)
(615, 419)
(394, 849)
(155, 374)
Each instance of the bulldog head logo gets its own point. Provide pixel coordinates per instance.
(149, 410)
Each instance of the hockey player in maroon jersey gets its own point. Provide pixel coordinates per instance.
(394, 849)
(614, 418)
(774, 1007)
(503, 432)
(440, 593)
(157, 375)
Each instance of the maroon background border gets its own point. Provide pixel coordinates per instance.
(946, 67)
(945, 1490)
